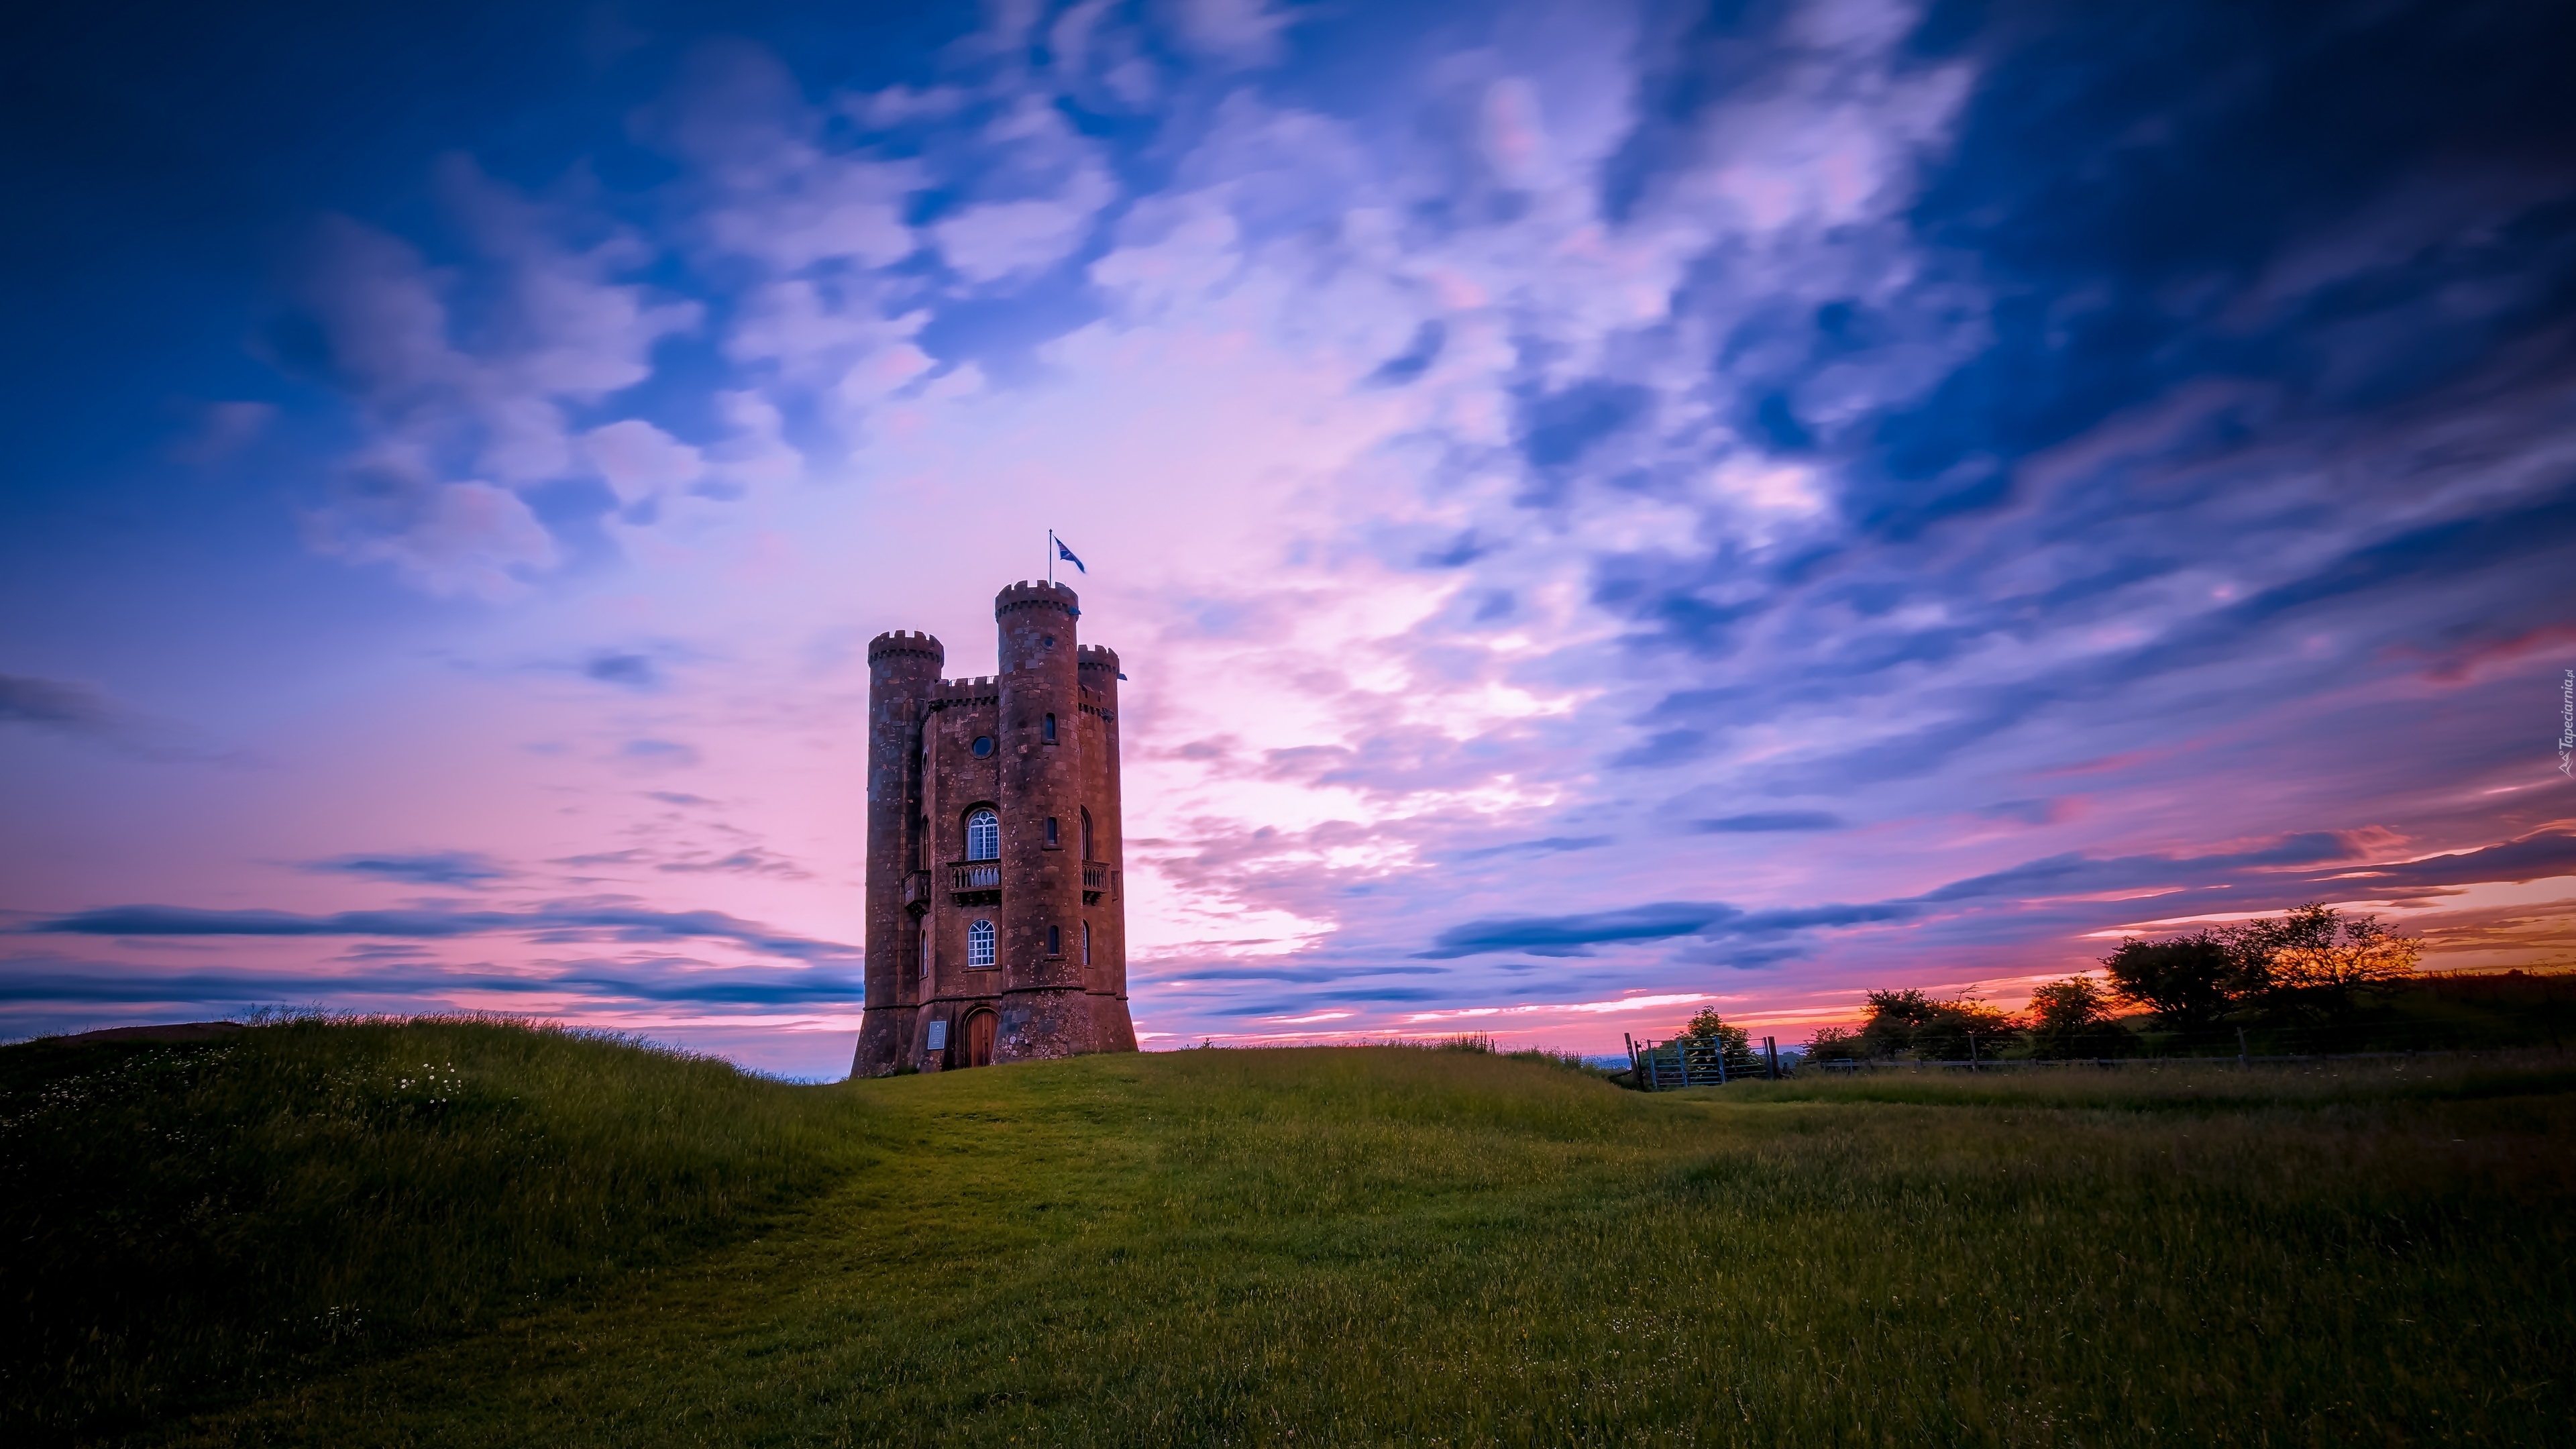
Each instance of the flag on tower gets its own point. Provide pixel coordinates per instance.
(1067, 554)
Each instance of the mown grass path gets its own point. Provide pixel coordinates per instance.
(1388, 1246)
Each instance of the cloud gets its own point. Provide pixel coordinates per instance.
(1304, 975)
(640, 461)
(1413, 361)
(458, 419)
(2073, 874)
(75, 709)
(1000, 239)
(1232, 32)
(748, 860)
(25, 982)
(223, 430)
(1038, 202)
(657, 754)
(2028, 812)
(445, 538)
(439, 867)
(1575, 935)
(1549, 845)
(1275, 1009)
(84, 712)
(1771, 822)
(608, 920)
(2541, 856)
(631, 671)
(2058, 877)
(1664, 748)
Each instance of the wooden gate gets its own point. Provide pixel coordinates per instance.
(1693, 1061)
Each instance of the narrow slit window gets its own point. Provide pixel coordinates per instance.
(1055, 940)
(1086, 943)
(1051, 837)
(979, 944)
(1086, 836)
(983, 836)
(1047, 730)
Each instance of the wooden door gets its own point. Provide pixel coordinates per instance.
(979, 1039)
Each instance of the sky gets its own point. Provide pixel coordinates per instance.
(1606, 509)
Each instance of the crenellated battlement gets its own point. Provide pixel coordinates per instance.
(1026, 595)
(960, 693)
(906, 642)
(1095, 656)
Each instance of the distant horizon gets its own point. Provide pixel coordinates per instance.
(1605, 510)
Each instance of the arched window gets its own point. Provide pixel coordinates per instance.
(983, 836)
(1055, 940)
(1086, 943)
(1051, 836)
(1086, 837)
(979, 944)
(925, 958)
(1047, 733)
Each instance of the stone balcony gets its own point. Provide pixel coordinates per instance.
(975, 882)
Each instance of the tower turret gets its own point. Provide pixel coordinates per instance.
(1104, 841)
(1043, 1013)
(903, 673)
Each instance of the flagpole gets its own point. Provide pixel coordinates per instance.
(1050, 558)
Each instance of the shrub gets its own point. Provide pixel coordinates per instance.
(1834, 1043)
(1909, 1023)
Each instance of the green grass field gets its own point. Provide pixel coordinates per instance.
(592, 1244)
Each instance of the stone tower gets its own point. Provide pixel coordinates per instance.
(997, 922)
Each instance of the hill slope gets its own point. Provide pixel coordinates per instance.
(1399, 1246)
(217, 1217)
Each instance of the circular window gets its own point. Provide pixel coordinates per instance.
(983, 746)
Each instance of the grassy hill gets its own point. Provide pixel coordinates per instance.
(299, 1234)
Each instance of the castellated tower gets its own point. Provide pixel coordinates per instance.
(997, 922)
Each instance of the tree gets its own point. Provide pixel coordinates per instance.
(1732, 1041)
(2189, 982)
(2071, 1018)
(2310, 961)
(2319, 960)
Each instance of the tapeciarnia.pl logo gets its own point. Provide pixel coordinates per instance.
(2567, 725)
